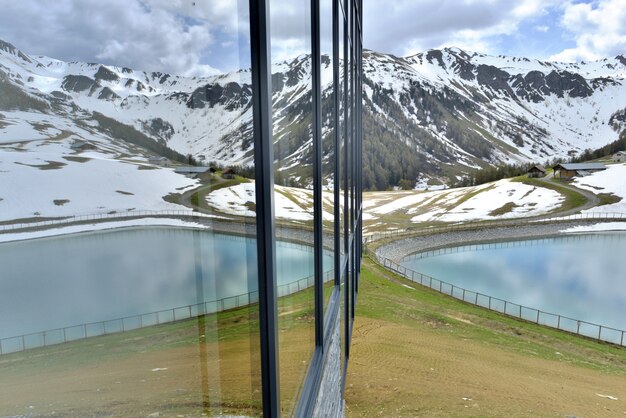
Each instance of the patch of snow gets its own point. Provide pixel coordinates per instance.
(74, 229)
(612, 180)
(599, 227)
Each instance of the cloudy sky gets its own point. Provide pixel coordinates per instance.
(544, 29)
(202, 37)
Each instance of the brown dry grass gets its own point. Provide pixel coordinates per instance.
(445, 359)
(204, 366)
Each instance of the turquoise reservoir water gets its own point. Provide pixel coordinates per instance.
(581, 276)
(68, 280)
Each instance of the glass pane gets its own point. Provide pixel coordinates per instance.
(328, 145)
(292, 109)
(341, 184)
(122, 139)
(342, 132)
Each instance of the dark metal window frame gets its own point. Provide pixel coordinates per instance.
(348, 12)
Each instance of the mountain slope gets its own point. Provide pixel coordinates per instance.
(435, 115)
(463, 110)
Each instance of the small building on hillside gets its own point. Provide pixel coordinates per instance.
(619, 157)
(228, 173)
(192, 171)
(158, 160)
(81, 144)
(537, 171)
(568, 171)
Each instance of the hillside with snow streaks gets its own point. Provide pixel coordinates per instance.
(463, 110)
(503, 199)
(433, 116)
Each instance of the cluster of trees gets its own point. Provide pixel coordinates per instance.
(489, 174)
(131, 135)
(609, 149)
(499, 172)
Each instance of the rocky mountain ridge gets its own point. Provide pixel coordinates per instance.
(433, 116)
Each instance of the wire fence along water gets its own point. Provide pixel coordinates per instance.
(129, 323)
(563, 323)
(102, 217)
(522, 243)
(597, 216)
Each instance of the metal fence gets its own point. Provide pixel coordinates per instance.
(563, 323)
(101, 217)
(530, 242)
(603, 216)
(129, 323)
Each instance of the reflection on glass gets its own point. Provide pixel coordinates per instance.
(128, 321)
(544, 274)
(341, 184)
(328, 142)
(292, 108)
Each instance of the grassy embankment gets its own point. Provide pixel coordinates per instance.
(572, 200)
(203, 365)
(416, 352)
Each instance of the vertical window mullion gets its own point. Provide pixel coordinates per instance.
(264, 191)
(336, 173)
(318, 240)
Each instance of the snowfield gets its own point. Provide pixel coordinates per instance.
(500, 200)
(290, 203)
(46, 178)
(74, 229)
(601, 227)
(612, 180)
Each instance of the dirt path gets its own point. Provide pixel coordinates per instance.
(592, 199)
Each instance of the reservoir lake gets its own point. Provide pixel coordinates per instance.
(74, 279)
(579, 276)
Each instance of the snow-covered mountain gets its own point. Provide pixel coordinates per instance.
(437, 114)
(457, 110)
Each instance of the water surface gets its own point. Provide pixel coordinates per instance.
(580, 276)
(73, 279)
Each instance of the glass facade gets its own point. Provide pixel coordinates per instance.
(180, 222)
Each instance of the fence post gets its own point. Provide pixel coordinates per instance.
(64, 336)
(538, 315)
(558, 322)
(463, 295)
(85, 330)
(578, 327)
(520, 312)
(505, 306)
(599, 331)
(476, 299)
(622, 340)
(489, 302)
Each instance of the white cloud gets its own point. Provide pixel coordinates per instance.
(542, 28)
(174, 36)
(404, 27)
(598, 29)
